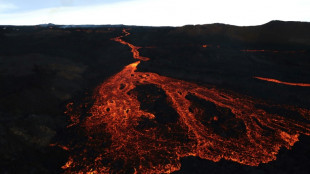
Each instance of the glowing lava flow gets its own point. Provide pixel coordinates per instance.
(134, 49)
(284, 83)
(125, 137)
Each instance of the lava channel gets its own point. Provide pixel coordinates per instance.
(141, 122)
(284, 83)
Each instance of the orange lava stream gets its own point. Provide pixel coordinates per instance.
(284, 83)
(134, 49)
(157, 149)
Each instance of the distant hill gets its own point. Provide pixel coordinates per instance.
(274, 32)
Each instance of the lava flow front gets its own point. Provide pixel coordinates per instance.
(141, 122)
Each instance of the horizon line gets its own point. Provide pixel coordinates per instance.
(133, 25)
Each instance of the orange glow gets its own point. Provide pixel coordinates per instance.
(60, 146)
(204, 46)
(68, 163)
(284, 83)
(134, 49)
(242, 133)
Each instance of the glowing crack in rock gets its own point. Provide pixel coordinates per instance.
(123, 136)
(284, 83)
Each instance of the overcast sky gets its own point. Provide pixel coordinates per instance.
(152, 12)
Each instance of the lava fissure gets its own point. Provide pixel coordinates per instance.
(284, 83)
(134, 49)
(207, 123)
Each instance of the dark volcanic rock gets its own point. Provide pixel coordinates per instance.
(221, 120)
(42, 69)
(154, 100)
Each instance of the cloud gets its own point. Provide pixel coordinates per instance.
(6, 7)
(168, 13)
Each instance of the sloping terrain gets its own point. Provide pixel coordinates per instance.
(56, 80)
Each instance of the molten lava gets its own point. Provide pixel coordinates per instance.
(134, 49)
(284, 83)
(127, 129)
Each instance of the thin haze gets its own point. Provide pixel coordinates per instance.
(152, 12)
